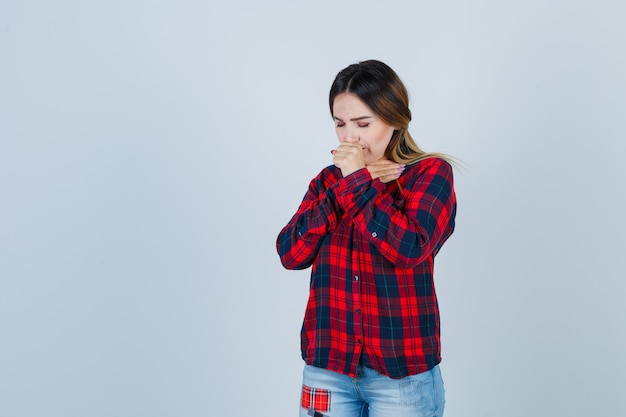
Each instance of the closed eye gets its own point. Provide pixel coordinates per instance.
(362, 121)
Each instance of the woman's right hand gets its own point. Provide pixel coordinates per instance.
(348, 157)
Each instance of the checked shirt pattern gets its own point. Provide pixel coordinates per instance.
(371, 247)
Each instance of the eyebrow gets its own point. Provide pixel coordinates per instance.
(353, 120)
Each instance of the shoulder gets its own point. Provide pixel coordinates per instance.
(430, 175)
(433, 165)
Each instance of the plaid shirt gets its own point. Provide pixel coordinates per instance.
(372, 247)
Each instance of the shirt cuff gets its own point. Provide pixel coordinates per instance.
(350, 188)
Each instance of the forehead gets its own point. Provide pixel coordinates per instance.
(350, 105)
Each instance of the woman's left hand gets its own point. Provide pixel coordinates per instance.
(385, 170)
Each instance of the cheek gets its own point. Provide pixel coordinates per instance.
(384, 139)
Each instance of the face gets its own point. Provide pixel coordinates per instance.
(356, 123)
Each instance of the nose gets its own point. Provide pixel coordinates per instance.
(350, 135)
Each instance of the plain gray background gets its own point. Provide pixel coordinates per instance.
(150, 152)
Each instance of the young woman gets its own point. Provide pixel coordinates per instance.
(370, 226)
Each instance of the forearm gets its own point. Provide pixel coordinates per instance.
(299, 241)
(405, 231)
(406, 239)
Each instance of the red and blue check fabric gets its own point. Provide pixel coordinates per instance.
(315, 399)
(371, 246)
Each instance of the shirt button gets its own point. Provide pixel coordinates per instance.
(358, 310)
(299, 234)
(374, 234)
(356, 277)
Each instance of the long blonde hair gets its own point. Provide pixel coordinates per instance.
(383, 91)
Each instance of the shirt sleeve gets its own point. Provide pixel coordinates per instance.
(405, 233)
(317, 216)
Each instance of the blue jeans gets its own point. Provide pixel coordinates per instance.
(330, 394)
